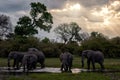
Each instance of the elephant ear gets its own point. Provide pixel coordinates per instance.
(88, 53)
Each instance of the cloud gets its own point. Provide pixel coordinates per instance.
(91, 15)
(103, 18)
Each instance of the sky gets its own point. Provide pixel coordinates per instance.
(91, 15)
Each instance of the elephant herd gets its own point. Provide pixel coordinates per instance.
(27, 59)
(33, 56)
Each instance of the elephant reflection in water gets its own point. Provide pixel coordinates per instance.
(94, 57)
(66, 59)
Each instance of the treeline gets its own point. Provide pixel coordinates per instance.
(110, 47)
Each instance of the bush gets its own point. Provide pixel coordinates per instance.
(107, 46)
(17, 44)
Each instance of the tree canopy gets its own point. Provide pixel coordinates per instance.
(39, 18)
(68, 32)
(5, 26)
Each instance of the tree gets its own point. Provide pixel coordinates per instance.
(39, 18)
(5, 26)
(68, 32)
(46, 40)
(97, 35)
(24, 27)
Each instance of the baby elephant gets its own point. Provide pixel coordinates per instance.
(40, 56)
(66, 61)
(29, 62)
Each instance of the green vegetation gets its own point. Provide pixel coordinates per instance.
(39, 18)
(22, 38)
(110, 47)
(64, 76)
(68, 32)
(113, 64)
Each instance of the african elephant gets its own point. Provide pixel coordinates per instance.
(40, 56)
(94, 57)
(66, 59)
(17, 59)
(29, 61)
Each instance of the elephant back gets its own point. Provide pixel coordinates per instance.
(99, 55)
(29, 57)
(66, 57)
(39, 54)
(16, 54)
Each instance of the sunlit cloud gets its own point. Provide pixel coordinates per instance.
(68, 7)
(104, 19)
(91, 15)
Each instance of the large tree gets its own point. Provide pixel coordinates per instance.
(68, 32)
(5, 26)
(39, 18)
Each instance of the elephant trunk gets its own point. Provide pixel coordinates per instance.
(82, 61)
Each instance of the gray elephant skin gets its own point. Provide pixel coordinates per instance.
(66, 59)
(93, 57)
(40, 56)
(29, 61)
(17, 59)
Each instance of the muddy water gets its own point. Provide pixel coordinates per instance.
(38, 70)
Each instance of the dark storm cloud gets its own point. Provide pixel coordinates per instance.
(16, 5)
(13, 5)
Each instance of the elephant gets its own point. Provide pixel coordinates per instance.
(94, 57)
(40, 56)
(66, 59)
(29, 61)
(17, 59)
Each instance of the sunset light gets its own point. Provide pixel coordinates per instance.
(75, 7)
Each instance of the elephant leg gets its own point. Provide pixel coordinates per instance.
(14, 63)
(24, 68)
(66, 67)
(17, 64)
(42, 64)
(61, 67)
(20, 64)
(34, 65)
(88, 63)
(28, 66)
(102, 66)
(93, 64)
(70, 66)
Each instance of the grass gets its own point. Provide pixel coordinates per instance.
(55, 62)
(113, 64)
(64, 76)
(108, 63)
